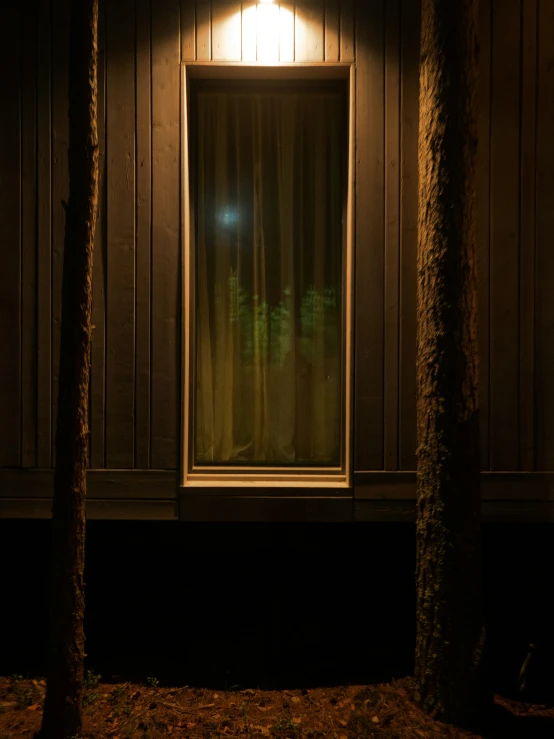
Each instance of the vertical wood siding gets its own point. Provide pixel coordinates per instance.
(166, 167)
(10, 241)
(60, 181)
(98, 349)
(544, 240)
(135, 392)
(483, 223)
(369, 237)
(504, 233)
(409, 124)
(392, 234)
(514, 230)
(44, 239)
(143, 282)
(28, 240)
(120, 230)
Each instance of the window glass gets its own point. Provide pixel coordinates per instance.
(269, 204)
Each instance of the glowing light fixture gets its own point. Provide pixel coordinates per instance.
(265, 2)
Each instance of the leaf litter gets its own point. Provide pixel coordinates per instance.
(136, 711)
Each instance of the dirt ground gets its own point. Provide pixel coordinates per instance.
(149, 711)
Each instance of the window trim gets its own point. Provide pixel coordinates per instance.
(268, 477)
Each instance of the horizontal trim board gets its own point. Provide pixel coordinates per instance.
(163, 485)
(242, 485)
(297, 510)
(269, 71)
(106, 484)
(270, 508)
(111, 510)
(515, 486)
(246, 490)
(492, 511)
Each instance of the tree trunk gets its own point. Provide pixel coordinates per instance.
(449, 680)
(63, 704)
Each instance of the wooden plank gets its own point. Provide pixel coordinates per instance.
(309, 44)
(120, 263)
(384, 511)
(347, 53)
(384, 485)
(369, 258)
(257, 508)
(503, 511)
(132, 484)
(514, 486)
(143, 240)
(410, 23)
(332, 36)
(392, 231)
(25, 508)
(10, 238)
(98, 346)
(165, 365)
(230, 486)
(44, 265)
(111, 510)
(29, 241)
(60, 180)
(544, 438)
(203, 31)
(306, 72)
(163, 485)
(483, 224)
(491, 511)
(188, 29)
(135, 484)
(363, 510)
(226, 31)
(119, 484)
(504, 247)
(26, 483)
(249, 33)
(131, 510)
(286, 31)
(522, 486)
(527, 237)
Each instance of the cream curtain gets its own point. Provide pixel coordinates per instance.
(270, 194)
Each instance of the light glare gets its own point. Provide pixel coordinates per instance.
(268, 34)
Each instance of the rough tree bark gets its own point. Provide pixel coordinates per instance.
(449, 680)
(62, 716)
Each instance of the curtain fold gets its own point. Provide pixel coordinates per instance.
(270, 196)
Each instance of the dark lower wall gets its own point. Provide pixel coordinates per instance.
(136, 371)
(260, 605)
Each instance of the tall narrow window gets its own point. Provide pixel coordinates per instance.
(268, 350)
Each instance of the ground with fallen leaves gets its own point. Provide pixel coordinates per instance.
(148, 711)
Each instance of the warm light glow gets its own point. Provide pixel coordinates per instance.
(268, 33)
(261, 31)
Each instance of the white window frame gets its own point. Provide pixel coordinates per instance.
(259, 477)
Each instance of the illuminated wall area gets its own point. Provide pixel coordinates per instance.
(269, 32)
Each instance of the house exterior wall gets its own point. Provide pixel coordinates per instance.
(135, 401)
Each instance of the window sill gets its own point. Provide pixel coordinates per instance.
(273, 483)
